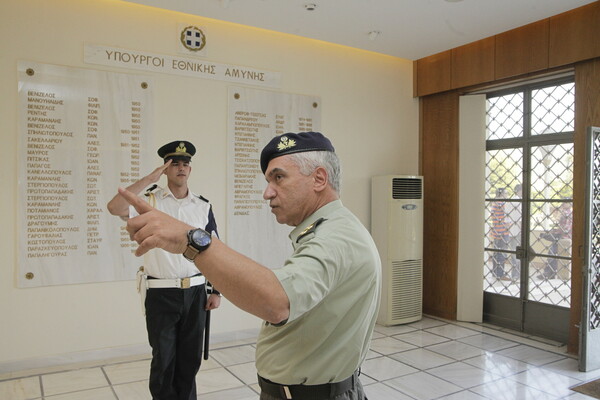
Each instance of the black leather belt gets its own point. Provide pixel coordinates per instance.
(307, 392)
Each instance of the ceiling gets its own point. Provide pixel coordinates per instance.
(409, 29)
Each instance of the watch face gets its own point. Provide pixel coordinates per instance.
(200, 239)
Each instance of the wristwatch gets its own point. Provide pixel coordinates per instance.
(198, 241)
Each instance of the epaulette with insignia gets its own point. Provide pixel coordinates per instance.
(202, 198)
(310, 229)
(150, 189)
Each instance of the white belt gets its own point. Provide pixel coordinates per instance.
(181, 283)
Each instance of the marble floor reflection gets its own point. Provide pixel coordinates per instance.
(428, 359)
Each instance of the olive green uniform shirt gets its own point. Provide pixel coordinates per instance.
(333, 283)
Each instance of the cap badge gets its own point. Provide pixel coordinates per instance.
(286, 143)
(181, 148)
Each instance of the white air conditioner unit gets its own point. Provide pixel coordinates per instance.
(397, 228)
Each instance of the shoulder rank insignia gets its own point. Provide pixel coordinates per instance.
(149, 190)
(150, 195)
(202, 198)
(310, 229)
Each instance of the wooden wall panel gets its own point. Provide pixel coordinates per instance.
(434, 73)
(571, 37)
(587, 113)
(439, 166)
(473, 63)
(575, 35)
(522, 50)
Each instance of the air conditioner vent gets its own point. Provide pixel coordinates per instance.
(407, 188)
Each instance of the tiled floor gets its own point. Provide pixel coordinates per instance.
(428, 359)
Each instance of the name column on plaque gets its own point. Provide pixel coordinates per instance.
(246, 162)
(48, 225)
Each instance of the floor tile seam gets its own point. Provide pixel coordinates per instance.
(523, 361)
(59, 369)
(243, 384)
(110, 384)
(21, 377)
(253, 345)
(429, 348)
(522, 335)
(479, 394)
(237, 377)
(393, 388)
(433, 351)
(76, 391)
(385, 382)
(553, 371)
(501, 355)
(497, 378)
(109, 363)
(128, 383)
(232, 365)
(436, 377)
(516, 334)
(533, 387)
(514, 344)
(469, 365)
(533, 343)
(455, 338)
(420, 332)
(459, 324)
(69, 370)
(219, 365)
(486, 383)
(564, 356)
(452, 361)
(488, 369)
(249, 386)
(455, 393)
(41, 386)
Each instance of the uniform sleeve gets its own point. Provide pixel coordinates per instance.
(309, 275)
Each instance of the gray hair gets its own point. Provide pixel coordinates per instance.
(309, 161)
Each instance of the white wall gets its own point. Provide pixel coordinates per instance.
(367, 110)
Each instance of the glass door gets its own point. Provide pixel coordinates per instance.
(529, 189)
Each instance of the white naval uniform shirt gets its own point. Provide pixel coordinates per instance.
(193, 211)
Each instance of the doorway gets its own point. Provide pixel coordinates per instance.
(528, 208)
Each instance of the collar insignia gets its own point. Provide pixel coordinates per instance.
(286, 143)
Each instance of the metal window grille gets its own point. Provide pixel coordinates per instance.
(530, 152)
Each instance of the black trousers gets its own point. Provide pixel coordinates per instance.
(175, 322)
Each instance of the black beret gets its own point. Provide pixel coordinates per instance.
(179, 149)
(289, 143)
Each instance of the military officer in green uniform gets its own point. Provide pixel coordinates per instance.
(320, 307)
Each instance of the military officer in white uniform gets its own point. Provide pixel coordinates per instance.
(176, 301)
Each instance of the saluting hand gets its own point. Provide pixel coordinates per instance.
(153, 228)
(155, 175)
